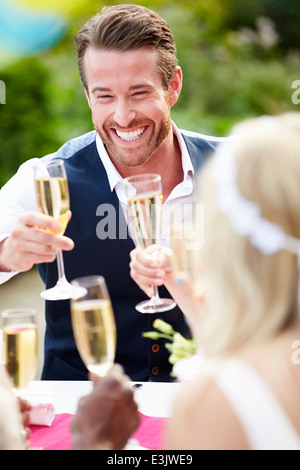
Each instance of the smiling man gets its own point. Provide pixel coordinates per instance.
(130, 108)
(128, 67)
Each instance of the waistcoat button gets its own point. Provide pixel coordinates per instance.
(155, 348)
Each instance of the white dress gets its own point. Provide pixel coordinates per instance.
(264, 421)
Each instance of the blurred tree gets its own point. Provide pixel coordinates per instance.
(285, 15)
(26, 128)
(239, 59)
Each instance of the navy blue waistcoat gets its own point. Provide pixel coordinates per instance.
(89, 189)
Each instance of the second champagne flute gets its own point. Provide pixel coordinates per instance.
(52, 194)
(20, 344)
(186, 241)
(144, 194)
(93, 324)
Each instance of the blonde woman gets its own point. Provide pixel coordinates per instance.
(246, 395)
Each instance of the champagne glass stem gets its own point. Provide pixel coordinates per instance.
(155, 297)
(60, 266)
(63, 289)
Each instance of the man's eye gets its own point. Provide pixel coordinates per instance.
(140, 93)
(104, 97)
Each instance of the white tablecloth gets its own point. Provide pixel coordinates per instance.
(153, 398)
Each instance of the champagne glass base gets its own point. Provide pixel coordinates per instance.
(155, 305)
(61, 291)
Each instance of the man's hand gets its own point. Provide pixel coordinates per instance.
(31, 242)
(153, 267)
(107, 417)
(150, 267)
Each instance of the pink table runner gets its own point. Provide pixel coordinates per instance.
(150, 433)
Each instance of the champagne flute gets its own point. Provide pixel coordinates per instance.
(186, 242)
(20, 345)
(52, 194)
(144, 194)
(93, 324)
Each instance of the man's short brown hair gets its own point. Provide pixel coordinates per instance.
(128, 27)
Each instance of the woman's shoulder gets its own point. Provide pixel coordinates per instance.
(202, 416)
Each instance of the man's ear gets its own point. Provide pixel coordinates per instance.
(175, 86)
(87, 97)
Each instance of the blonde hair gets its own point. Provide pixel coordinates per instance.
(254, 296)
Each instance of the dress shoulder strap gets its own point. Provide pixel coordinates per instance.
(264, 421)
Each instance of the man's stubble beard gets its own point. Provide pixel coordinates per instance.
(151, 148)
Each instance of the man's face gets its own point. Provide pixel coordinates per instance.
(130, 107)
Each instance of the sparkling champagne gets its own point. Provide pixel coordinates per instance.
(95, 333)
(20, 352)
(187, 255)
(53, 199)
(145, 215)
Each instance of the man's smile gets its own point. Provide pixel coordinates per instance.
(131, 135)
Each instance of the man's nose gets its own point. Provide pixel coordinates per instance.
(123, 114)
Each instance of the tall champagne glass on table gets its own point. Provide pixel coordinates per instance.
(52, 194)
(20, 345)
(93, 324)
(144, 195)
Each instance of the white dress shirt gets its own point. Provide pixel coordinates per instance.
(18, 195)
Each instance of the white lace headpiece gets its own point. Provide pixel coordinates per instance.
(245, 216)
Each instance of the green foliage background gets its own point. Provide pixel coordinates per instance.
(239, 59)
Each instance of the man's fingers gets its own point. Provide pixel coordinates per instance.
(144, 270)
(32, 219)
(31, 242)
(26, 231)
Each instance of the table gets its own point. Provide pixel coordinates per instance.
(153, 398)
(155, 402)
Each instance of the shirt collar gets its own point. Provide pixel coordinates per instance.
(113, 175)
(186, 161)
